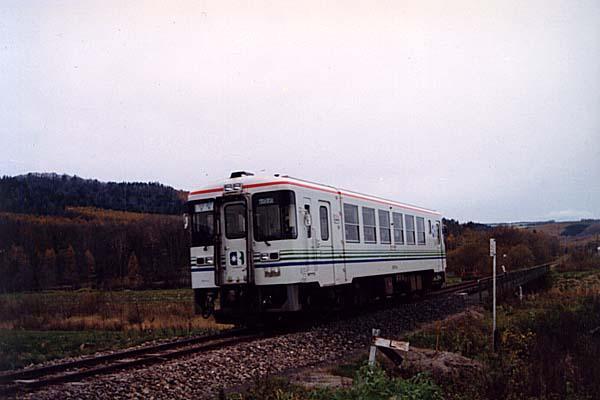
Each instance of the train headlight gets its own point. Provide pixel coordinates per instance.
(264, 256)
(232, 187)
(272, 271)
(209, 260)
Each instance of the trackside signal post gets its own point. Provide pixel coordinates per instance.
(493, 255)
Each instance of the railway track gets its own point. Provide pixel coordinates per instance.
(35, 378)
(466, 286)
(32, 378)
(513, 278)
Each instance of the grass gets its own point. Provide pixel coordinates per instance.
(36, 327)
(22, 348)
(451, 280)
(348, 369)
(99, 310)
(368, 384)
(548, 349)
(59, 297)
(548, 343)
(572, 274)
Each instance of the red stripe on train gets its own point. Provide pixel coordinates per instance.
(255, 185)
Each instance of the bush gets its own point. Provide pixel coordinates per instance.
(581, 258)
(369, 384)
(374, 384)
(468, 253)
(549, 353)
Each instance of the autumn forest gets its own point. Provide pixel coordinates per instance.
(60, 231)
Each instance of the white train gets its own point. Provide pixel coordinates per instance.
(277, 244)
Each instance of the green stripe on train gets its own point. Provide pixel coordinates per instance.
(318, 252)
(329, 255)
(367, 253)
(357, 258)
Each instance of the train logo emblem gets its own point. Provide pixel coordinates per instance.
(235, 257)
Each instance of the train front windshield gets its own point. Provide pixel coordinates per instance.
(274, 215)
(203, 223)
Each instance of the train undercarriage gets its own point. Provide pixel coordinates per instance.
(244, 303)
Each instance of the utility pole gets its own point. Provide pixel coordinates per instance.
(493, 255)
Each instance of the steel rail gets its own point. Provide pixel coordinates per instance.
(524, 274)
(91, 366)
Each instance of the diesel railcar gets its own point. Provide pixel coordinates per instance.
(264, 245)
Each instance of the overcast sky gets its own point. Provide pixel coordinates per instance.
(486, 111)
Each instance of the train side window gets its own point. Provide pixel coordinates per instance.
(409, 221)
(398, 228)
(430, 228)
(369, 227)
(351, 227)
(420, 230)
(384, 226)
(437, 232)
(324, 220)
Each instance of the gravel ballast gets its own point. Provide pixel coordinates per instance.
(202, 375)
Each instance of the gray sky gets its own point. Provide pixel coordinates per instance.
(486, 111)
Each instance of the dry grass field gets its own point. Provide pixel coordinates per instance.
(36, 327)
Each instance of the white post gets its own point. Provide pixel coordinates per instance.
(372, 354)
(493, 254)
(373, 350)
(494, 299)
(521, 293)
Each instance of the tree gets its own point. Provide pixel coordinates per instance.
(471, 255)
(69, 265)
(520, 256)
(134, 278)
(47, 270)
(20, 266)
(95, 247)
(90, 267)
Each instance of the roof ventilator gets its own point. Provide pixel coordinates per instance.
(239, 174)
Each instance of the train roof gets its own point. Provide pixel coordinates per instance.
(250, 181)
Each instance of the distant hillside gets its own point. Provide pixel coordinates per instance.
(50, 194)
(571, 233)
(582, 228)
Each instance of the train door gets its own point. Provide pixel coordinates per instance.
(324, 241)
(234, 258)
(311, 267)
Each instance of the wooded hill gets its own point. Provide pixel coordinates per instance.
(66, 231)
(50, 194)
